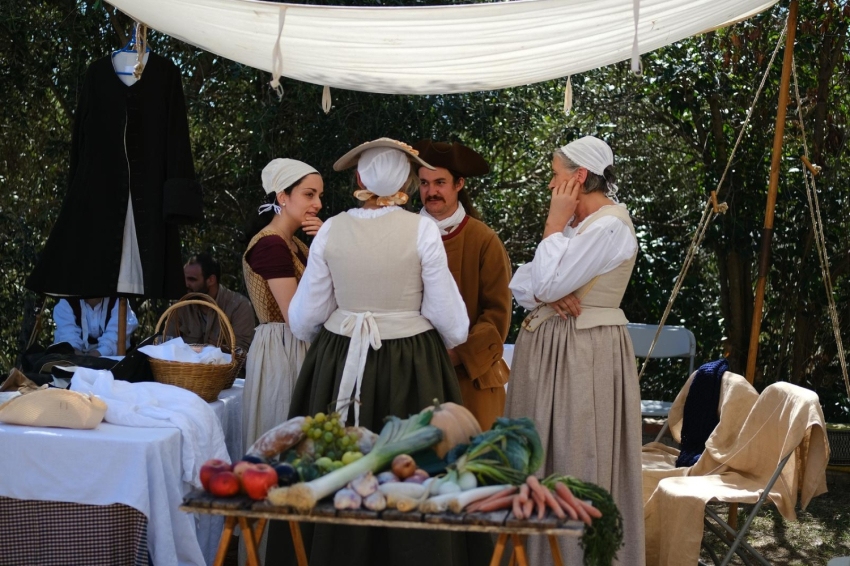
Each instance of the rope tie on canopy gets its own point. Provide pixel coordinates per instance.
(277, 54)
(568, 96)
(817, 226)
(711, 210)
(637, 66)
(326, 99)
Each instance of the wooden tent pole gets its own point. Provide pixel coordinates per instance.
(767, 234)
(122, 325)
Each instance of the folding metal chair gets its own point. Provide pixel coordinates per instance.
(779, 453)
(791, 399)
(724, 531)
(673, 342)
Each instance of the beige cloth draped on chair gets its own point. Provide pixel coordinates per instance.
(737, 464)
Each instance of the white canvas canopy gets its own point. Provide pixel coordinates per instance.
(434, 49)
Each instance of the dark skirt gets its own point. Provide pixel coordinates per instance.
(401, 378)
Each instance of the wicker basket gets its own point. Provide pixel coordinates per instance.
(240, 354)
(207, 380)
(839, 444)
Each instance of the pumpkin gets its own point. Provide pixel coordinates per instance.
(456, 422)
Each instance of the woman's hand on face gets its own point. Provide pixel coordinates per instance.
(567, 306)
(562, 206)
(311, 225)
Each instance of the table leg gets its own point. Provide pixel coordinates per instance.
(519, 549)
(259, 526)
(224, 541)
(556, 551)
(499, 550)
(250, 545)
(298, 543)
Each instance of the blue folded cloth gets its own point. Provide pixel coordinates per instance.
(700, 417)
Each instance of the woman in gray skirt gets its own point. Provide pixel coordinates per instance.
(573, 368)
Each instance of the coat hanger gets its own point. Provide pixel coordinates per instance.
(140, 31)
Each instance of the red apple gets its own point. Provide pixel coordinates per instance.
(258, 479)
(224, 484)
(211, 468)
(240, 467)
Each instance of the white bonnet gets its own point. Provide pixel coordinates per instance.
(591, 153)
(383, 170)
(282, 173)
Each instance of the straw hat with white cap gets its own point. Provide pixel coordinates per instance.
(383, 168)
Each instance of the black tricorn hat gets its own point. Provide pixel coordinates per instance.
(455, 157)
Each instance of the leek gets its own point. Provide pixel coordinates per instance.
(397, 437)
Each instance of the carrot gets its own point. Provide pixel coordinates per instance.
(528, 507)
(578, 505)
(566, 507)
(517, 508)
(591, 510)
(477, 504)
(540, 502)
(497, 504)
(553, 504)
(523, 493)
(538, 492)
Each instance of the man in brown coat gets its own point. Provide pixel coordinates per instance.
(481, 268)
(198, 325)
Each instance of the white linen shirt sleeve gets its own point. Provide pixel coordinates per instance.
(442, 303)
(66, 327)
(521, 287)
(107, 344)
(562, 264)
(314, 300)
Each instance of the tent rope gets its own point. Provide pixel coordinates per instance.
(820, 240)
(711, 206)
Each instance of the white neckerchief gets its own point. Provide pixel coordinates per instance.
(446, 225)
(98, 317)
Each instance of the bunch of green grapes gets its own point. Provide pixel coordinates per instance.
(332, 446)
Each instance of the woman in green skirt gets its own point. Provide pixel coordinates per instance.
(380, 307)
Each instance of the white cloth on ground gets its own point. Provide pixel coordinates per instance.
(442, 304)
(159, 405)
(564, 262)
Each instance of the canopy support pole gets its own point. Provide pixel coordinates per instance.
(122, 325)
(767, 234)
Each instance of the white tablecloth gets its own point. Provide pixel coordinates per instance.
(138, 467)
(228, 409)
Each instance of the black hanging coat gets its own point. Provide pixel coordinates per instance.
(126, 139)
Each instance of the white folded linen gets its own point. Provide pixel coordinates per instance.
(176, 350)
(159, 405)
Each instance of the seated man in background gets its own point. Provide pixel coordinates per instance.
(90, 326)
(199, 325)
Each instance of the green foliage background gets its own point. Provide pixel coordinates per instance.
(672, 131)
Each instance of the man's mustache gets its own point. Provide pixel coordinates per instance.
(431, 199)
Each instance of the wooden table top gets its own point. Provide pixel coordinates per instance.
(324, 512)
